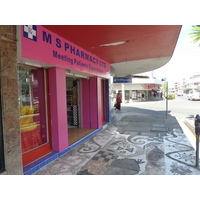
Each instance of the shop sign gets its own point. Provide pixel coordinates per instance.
(150, 87)
(38, 43)
(122, 80)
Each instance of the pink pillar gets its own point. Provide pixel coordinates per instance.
(95, 102)
(85, 103)
(58, 108)
(99, 103)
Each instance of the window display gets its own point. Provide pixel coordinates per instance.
(72, 102)
(33, 125)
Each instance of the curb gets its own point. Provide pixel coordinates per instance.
(188, 130)
(189, 124)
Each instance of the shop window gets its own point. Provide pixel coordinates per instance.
(134, 94)
(72, 102)
(127, 95)
(33, 124)
(2, 162)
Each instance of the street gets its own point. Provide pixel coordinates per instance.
(183, 108)
(180, 107)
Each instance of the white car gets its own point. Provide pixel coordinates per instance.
(180, 93)
(194, 95)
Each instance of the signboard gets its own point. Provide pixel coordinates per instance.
(122, 80)
(150, 87)
(38, 43)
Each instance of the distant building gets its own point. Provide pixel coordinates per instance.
(133, 87)
(193, 82)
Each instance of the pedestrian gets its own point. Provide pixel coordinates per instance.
(118, 102)
(143, 99)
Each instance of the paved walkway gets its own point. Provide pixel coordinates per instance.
(138, 143)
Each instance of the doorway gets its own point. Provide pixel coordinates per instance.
(74, 109)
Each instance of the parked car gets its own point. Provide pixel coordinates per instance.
(171, 92)
(194, 95)
(180, 93)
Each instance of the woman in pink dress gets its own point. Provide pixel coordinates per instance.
(118, 102)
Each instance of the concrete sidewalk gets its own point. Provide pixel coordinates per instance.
(137, 143)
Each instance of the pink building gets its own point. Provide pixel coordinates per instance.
(63, 94)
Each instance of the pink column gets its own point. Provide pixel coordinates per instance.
(95, 102)
(99, 103)
(58, 108)
(85, 103)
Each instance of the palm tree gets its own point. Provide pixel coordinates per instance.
(195, 35)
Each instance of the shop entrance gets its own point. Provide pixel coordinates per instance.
(73, 97)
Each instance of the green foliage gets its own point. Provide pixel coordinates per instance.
(164, 87)
(195, 35)
(171, 96)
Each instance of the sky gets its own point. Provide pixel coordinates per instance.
(185, 60)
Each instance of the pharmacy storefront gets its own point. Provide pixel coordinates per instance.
(62, 89)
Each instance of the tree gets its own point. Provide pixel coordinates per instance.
(164, 87)
(195, 35)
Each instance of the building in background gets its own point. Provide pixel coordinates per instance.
(193, 82)
(135, 88)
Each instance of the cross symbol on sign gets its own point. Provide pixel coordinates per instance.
(30, 32)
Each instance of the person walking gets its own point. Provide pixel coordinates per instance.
(118, 102)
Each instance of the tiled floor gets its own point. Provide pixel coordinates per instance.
(121, 149)
(72, 162)
(137, 143)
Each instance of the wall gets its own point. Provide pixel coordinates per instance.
(9, 86)
(128, 86)
(85, 98)
(57, 87)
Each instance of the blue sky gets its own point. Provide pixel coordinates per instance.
(185, 60)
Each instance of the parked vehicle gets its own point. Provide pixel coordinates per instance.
(171, 92)
(194, 95)
(180, 93)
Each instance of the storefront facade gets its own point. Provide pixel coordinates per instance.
(61, 89)
(134, 89)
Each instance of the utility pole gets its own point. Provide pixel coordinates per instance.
(166, 96)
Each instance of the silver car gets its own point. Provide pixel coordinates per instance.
(194, 95)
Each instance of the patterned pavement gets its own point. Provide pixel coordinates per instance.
(158, 146)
